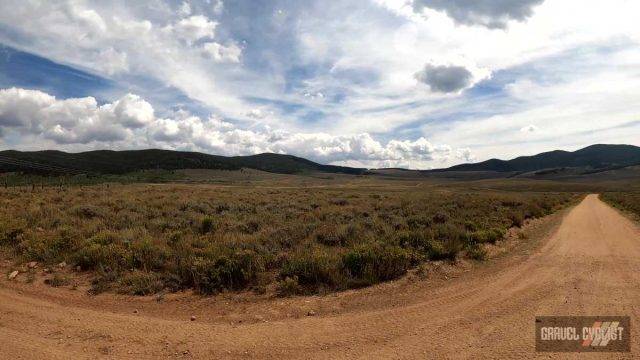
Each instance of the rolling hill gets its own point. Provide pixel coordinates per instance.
(591, 159)
(120, 162)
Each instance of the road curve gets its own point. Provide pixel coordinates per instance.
(589, 266)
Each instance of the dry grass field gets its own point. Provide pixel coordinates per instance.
(628, 201)
(145, 238)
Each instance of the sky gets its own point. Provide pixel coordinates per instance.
(371, 83)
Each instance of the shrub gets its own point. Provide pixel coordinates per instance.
(147, 256)
(104, 238)
(10, 231)
(476, 252)
(58, 280)
(334, 235)
(450, 248)
(250, 227)
(372, 263)
(448, 231)
(48, 247)
(207, 225)
(231, 271)
(176, 236)
(418, 222)
(533, 211)
(440, 218)
(103, 281)
(96, 256)
(424, 243)
(140, 283)
(517, 219)
(510, 203)
(288, 286)
(470, 226)
(313, 268)
(87, 211)
(487, 236)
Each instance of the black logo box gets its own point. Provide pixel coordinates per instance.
(579, 322)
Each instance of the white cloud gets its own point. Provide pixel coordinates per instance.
(257, 114)
(131, 111)
(19, 108)
(82, 121)
(77, 120)
(216, 136)
(149, 40)
(466, 155)
(220, 53)
(113, 61)
(193, 28)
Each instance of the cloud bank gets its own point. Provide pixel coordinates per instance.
(131, 120)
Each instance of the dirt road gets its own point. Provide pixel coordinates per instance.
(588, 266)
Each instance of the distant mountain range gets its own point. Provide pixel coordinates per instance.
(592, 158)
(595, 158)
(120, 162)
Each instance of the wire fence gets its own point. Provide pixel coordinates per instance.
(45, 174)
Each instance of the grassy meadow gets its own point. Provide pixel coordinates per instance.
(144, 238)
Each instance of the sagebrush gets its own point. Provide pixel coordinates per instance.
(142, 239)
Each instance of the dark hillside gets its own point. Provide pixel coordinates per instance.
(120, 162)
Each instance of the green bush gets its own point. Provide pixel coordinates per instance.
(233, 271)
(445, 247)
(49, 247)
(10, 231)
(207, 225)
(288, 287)
(104, 238)
(87, 211)
(517, 219)
(533, 211)
(313, 268)
(476, 252)
(147, 255)
(58, 280)
(487, 236)
(418, 222)
(96, 256)
(372, 263)
(140, 283)
(451, 249)
(334, 235)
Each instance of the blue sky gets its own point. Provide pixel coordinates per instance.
(411, 83)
